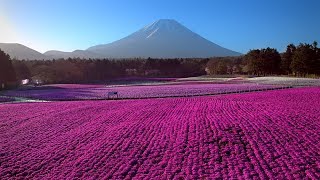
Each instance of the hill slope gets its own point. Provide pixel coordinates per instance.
(19, 51)
(75, 54)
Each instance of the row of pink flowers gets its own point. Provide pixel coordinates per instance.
(74, 92)
(5, 99)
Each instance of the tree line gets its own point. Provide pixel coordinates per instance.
(301, 60)
(75, 70)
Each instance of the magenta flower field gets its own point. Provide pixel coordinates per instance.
(78, 91)
(259, 135)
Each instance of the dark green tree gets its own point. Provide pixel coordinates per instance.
(314, 45)
(21, 69)
(253, 61)
(286, 60)
(304, 60)
(263, 62)
(7, 74)
(271, 61)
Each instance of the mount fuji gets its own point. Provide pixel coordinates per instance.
(165, 38)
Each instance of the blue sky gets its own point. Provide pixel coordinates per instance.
(239, 25)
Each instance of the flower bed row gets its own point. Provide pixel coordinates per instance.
(131, 92)
(6, 99)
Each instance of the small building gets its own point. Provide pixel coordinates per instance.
(25, 81)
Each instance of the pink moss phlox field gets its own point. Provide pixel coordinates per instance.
(74, 92)
(260, 135)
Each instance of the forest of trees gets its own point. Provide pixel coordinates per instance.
(301, 60)
(75, 70)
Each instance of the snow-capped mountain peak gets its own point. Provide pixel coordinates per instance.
(163, 24)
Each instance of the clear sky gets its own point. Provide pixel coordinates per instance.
(239, 25)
